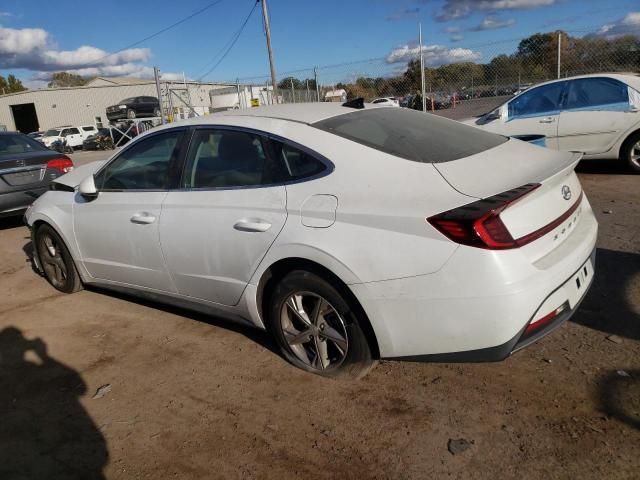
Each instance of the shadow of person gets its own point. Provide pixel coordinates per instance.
(44, 430)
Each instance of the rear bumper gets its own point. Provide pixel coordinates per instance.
(478, 305)
(14, 203)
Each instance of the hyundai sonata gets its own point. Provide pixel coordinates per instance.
(349, 232)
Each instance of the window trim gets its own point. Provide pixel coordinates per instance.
(175, 167)
(266, 139)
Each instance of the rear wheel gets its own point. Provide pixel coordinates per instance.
(630, 152)
(131, 114)
(56, 261)
(157, 112)
(316, 329)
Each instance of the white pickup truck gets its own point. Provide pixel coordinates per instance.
(73, 135)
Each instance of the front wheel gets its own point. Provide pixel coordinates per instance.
(56, 261)
(316, 328)
(630, 152)
(157, 112)
(131, 114)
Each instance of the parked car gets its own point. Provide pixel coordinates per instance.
(598, 115)
(92, 142)
(134, 107)
(26, 170)
(386, 102)
(73, 136)
(350, 232)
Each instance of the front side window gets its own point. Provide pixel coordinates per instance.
(597, 93)
(543, 100)
(143, 166)
(51, 133)
(225, 159)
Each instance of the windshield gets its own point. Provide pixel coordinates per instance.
(52, 133)
(17, 143)
(421, 137)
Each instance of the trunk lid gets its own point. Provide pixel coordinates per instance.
(549, 212)
(23, 169)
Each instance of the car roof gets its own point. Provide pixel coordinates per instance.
(294, 112)
(632, 79)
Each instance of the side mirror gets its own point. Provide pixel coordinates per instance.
(87, 187)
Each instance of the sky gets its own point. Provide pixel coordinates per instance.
(81, 37)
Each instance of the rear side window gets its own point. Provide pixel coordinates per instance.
(590, 93)
(225, 159)
(421, 137)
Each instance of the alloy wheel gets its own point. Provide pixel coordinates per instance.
(634, 155)
(314, 331)
(52, 261)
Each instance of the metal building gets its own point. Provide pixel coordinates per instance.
(34, 110)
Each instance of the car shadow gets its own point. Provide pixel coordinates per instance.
(261, 337)
(607, 307)
(604, 167)
(619, 395)
(46, 432)
(7, 223)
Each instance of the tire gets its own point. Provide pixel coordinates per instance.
(630, 152)
(335, 332)
(55, 259)
(131, 114)
(157, 112)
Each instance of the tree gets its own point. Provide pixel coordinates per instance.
(10, 85)
(66, 79)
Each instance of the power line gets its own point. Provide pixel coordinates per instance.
(159, 32)
(229, 45)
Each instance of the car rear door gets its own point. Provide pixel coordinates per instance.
(216, 228)
(595, 113)
(72, 136)
(117, 232)
(535, 112)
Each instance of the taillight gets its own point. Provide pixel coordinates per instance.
(478, 224)
(64, 164)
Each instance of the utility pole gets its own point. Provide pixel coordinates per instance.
(267, 31)
(424, 104)
(315, 76)
(156, 74)
(559, 45)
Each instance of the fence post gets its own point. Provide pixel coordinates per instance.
(293, 92)
(422, 79)
(308, 93)
(238, 90)
(315, 75)
(156, 74)
(559, 44)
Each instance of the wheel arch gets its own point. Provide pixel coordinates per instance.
(280, 268)
(626, 140)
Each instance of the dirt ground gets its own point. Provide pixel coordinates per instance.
(192, 397)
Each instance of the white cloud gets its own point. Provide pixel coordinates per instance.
(629, 25)
(491, 22)
(456, 37)
(456, 9)
(33, 49)
(434, 55)
(6, 14)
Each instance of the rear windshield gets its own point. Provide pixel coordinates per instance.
(11, 144)
(421, 137)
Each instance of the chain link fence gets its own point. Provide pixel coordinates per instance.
(454, 74)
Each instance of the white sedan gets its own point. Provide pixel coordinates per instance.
(351, 234)
(598, 115)
(386, 102)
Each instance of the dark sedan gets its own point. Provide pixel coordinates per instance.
(26, 169)
(134, 107)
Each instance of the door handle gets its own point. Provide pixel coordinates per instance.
(252, 225)
(547, 120)
(143, 218)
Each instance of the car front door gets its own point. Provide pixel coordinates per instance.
(595, 113)
(117, 232)
(218, 226)
(534, 112)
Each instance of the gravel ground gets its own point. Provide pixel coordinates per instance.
(96, 385)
